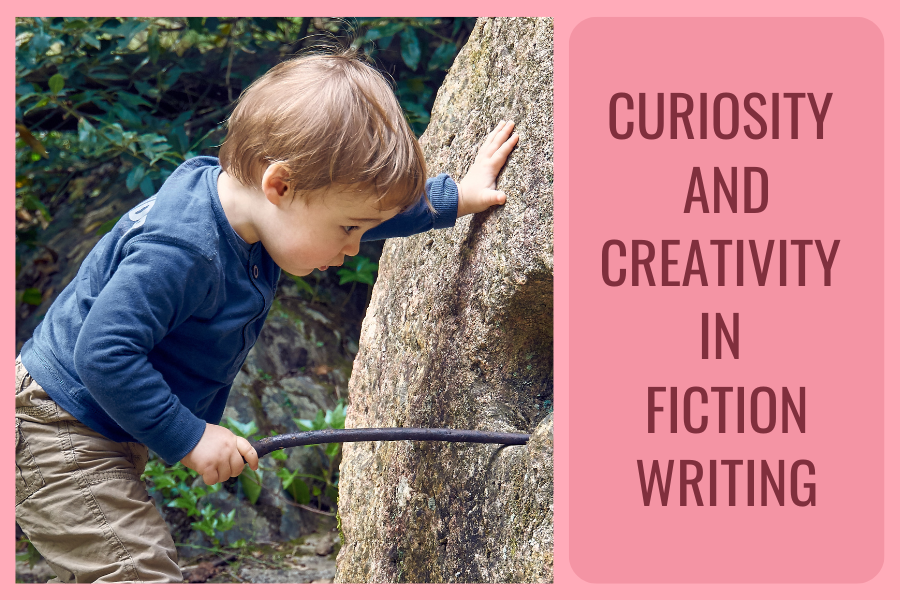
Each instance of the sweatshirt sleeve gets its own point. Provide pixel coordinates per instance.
(154, 289)
(444, 196)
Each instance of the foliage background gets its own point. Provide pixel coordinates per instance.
(111, 106)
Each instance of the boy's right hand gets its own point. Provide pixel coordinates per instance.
(478, 189)
(220, 455)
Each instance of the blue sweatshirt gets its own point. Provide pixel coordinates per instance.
(145, 342)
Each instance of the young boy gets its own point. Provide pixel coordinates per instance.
(141, 348)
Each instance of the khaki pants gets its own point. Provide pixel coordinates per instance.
(80, 500)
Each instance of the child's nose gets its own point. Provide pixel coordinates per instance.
(351, 249)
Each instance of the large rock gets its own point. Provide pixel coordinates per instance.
(459, 334)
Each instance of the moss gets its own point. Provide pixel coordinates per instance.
(339, 526)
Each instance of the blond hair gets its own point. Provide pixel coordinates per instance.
(330, 120)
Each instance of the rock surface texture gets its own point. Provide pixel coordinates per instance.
(459, 334)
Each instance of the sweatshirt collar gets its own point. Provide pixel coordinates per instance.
(242, 248)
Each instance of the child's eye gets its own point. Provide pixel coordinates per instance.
(349, 228)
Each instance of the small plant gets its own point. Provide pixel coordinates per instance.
(175, 485)
(294, 485)
(244, 430)
(211, 522)
(250, 482)
(326, 483)
(358, 269)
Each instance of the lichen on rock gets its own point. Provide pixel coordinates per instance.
(459, 334)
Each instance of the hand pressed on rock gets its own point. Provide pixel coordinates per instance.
(478, 189)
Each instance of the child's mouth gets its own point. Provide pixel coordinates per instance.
(323, 268)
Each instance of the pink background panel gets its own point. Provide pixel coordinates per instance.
(828, 340)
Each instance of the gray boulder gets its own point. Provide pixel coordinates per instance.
(459, 334)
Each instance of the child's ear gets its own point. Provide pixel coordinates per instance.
(274, 183)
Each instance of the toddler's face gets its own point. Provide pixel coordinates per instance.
(319, 231)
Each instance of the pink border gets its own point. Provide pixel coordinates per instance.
(884, 13)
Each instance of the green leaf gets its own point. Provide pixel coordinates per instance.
(186, 504)
(153, 145)
(106, 227)
(225, 523)
(241, 429)
(85, 130)
(74, 23)
(279, 454)
(90, 40)
(303, 424)
(319, 422)
(339, 416)
(299, 491)
(135, 177)
(171, 76)
(358, 269)
(126, 116)
(153, 45)
(442, 58)
(39, 43)
(286, 477)
(39, 104)
(154, 468)
(204, 526)
(195, 24)
(164, 481)
(128, 30)
(32, 296)
(332, 449)
(133, 100)
(107, 75)
(410, 51)
(303, 285)
(208, 512)
(57, 82)
(384, 32)
(148, 188)
(140, 66)
(251, 486)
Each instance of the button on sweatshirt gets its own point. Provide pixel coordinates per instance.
(144, 343)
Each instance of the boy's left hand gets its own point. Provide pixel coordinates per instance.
(478, 189)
